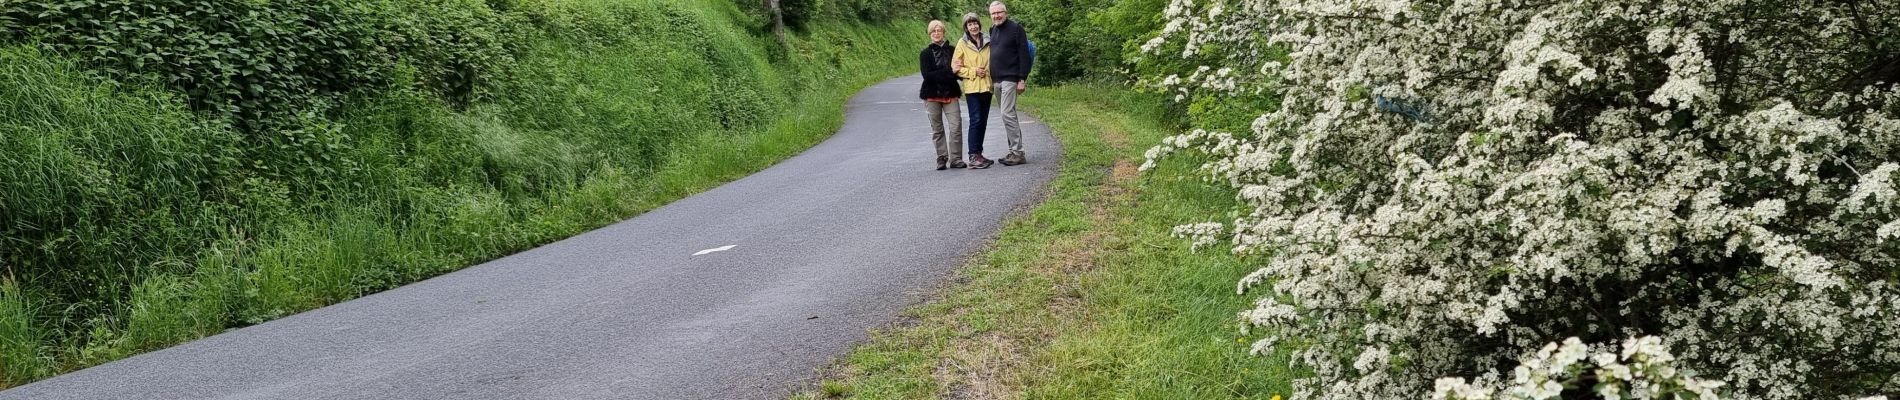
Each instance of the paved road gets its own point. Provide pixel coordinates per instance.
(825, 245)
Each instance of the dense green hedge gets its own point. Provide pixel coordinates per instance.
(799, 13)
(263, 60)
(172, 168)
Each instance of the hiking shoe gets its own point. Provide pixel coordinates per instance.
(978, 162)
(941, 165)
(1013, 159)
(958, 165)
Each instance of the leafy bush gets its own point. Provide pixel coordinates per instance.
(244, 58)
(1068, 44)
(262, 61)
(459, 49)
(800, 13)
(1448, 185)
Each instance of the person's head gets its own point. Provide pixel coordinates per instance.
(973, 24)
(998, 12)
(936, 31)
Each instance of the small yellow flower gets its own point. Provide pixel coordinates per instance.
(1276, 397)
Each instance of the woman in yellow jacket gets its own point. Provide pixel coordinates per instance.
(971, 62)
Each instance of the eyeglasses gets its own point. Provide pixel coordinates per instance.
(998, 12)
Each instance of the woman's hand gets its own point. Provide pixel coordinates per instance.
(982, 72)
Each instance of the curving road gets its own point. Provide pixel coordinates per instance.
(823, 246)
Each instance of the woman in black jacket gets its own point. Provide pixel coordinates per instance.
(940, 92)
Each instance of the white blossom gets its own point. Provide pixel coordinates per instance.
(1464, 184)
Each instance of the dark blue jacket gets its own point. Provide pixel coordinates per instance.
(1010, 57)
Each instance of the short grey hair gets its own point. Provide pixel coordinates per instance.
(999, 3)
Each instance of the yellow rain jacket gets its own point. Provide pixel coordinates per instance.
(971, 56)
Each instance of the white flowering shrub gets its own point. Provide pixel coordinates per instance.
(1449, 185)
(1643, 370)
(1202, 234)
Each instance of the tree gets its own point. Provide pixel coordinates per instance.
(778, 22)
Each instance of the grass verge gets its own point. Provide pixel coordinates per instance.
(1087, 296)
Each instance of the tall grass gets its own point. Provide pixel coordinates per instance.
(93, 176)
(130, 222)
(22, 341)
(1158, 314)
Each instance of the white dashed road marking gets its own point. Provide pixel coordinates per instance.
(715, 250)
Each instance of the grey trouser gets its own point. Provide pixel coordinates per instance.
(1006, 102)
(939, 114)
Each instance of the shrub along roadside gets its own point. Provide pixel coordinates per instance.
(134, 221)
(260, 62)
(1087, 296)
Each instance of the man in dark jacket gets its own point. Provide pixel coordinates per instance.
(940, 93)
(1010, 60)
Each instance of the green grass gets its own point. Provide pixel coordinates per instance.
(20, 337)
(132, 223)
(1087, 296)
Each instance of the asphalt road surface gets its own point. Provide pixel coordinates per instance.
(815, 250)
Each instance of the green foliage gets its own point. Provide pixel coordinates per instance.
(800, 13)
(248, 59)
(1100, 40)
(1229, 112)
(521, 163)
(458, 49)
(166, 309)
(1067, 45)
(876, 10)
(1084, 39)
(21, 338)
(95, 182)
(691, 77)
(265, 61)
(8, 25)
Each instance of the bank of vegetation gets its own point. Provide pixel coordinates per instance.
(170, 169)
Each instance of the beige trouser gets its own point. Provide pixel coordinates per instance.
(940, 113)
(1006, 102)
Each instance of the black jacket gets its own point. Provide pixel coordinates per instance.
(1009, 52)
(934, 63)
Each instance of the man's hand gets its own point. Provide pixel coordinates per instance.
(1020, 86)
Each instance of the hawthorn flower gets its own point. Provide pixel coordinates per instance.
(1701, 193)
